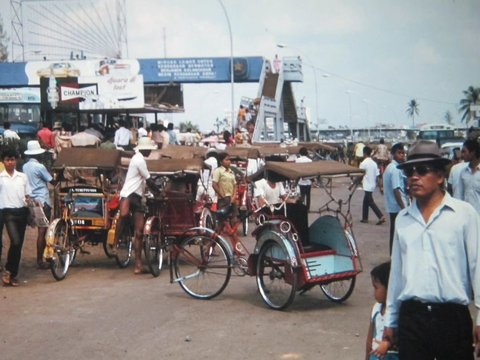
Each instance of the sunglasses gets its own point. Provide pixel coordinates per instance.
(421, 170)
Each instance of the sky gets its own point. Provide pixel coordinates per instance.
(369, 57)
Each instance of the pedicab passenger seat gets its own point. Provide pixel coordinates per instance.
(325, 234)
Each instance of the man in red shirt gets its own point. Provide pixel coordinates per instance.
(45, 137)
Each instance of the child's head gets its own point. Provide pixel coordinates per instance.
(379, 275)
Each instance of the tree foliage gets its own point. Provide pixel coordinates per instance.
(183, 126)
(412, 110)
(472, 97)
(3, 42)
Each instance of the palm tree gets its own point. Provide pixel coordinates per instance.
(412, 110)
(448, 117)
(472, 97)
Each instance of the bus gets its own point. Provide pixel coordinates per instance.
(21, 107)
(436, 132)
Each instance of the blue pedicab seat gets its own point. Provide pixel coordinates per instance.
(328, 251)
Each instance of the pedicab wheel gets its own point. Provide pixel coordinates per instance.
(202, 266)
(244, 217)
(64, 252)
(153, 247)
(206, 219)
(338, 290)
(108, 249)
(276, 279)
(124, 245)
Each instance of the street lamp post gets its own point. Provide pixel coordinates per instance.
(282, 46)
(348, 92)
(232, 79)
(367, 123)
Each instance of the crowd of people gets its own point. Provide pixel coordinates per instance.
(422, 294)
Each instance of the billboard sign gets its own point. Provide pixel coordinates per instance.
(92, 93)
(20, 95)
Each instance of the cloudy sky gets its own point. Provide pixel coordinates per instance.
(370, 56)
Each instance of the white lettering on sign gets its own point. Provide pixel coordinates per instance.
(69, 93)
(187, 68)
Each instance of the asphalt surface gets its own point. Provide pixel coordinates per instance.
(102, 312)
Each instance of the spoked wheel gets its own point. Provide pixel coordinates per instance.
(154, 252)
(64, 252)
(124, 244)
(206, 219)
(202, 266)
(339, 290)
(108, 248)
(244, 217)
(276, 280)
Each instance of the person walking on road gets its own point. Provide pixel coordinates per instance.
(38, 179)
(305, 185)
(14, 190)
(469, 184)
(435, 266)
(370, 181)
(395, 187)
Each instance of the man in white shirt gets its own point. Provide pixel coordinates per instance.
(369, 184)
(123, 136)
(305, 185)
(435, 266)
(469, 184)
(131, 196)
(8, 134)
(14, 189)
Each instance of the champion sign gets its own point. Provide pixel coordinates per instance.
(70, 93)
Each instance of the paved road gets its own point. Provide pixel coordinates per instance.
(102, 312)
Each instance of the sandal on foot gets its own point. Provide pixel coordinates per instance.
(381, 221)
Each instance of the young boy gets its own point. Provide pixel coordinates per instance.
(377, 347)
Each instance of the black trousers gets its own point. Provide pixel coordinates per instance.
(368, 202)
(305, 193)
(15, 221)
(393, 216)
(440, 331)
(1, 236)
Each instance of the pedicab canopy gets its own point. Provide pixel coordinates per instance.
(175, 166)
(87, 158)
(242, 153)
(179, 152)
(282, 171)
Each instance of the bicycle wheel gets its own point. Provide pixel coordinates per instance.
(206, 219)
(338, 290)
(276, 279)
(64, 252)
(244, 217)
(123, 253)
(202, 266)
(154, 252)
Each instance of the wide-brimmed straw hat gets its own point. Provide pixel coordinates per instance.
(424, 151)
(145, 143)
(34, 148)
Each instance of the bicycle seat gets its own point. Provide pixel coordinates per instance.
(224, 212)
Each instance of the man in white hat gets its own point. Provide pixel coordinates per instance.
(131, 196)
(38, 179)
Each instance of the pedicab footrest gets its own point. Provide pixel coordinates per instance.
(327, 264)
